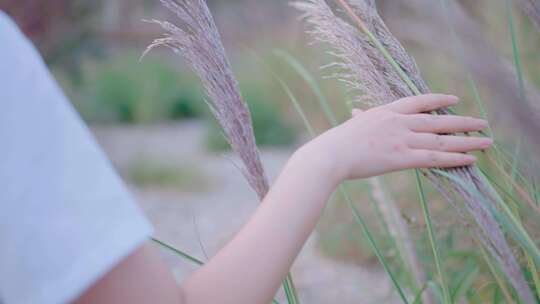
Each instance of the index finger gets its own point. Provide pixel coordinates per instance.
(421, 103)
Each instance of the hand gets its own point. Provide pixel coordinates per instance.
(397, 136)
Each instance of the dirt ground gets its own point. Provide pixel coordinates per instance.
(201, 220)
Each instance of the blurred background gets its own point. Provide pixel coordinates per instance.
(151, 119)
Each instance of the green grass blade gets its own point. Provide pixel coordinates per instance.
(535, 192)
(186, 256)
(330, 116)
(297, 107)
(432, 238)
(513, 226)
(460, 53)
(465, 283)
(348, 199)
(509, 195)
(515, 51)
(290, 290)
(288, 283)
(372, 242)
(530, 263)
(398, 242)
(523, 94)
(436, 289)
(500, 282)
(418, 295)
(178, 252)
(416, 91)
(514, 168)
(536, 279)
(288, 293)
(312, 83)
(507, 220)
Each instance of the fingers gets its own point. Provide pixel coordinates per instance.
(448, 143)
(421, 103)
(436, 159)
(444, 123)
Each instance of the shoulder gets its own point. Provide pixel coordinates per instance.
(8, 28)
(16, 47)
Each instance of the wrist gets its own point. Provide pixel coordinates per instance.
(319, 163)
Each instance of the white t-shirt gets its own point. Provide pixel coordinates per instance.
(66, 218)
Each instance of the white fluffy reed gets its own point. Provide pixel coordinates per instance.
(198, 41)
(362, 67)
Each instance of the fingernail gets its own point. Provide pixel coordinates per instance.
(453, 98)
(471, 158)
(487, 142)
(482, 123)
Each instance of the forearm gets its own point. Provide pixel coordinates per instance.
(250, 268)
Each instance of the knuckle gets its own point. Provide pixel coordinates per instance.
(426, 105)
(433, 158)
(426, 118)
(440, 142)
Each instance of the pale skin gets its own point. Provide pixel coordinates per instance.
(250, 268)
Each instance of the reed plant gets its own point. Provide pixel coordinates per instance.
(398, 231)
(377, 69)
(532, 9)
(198, 41)
(372, 62)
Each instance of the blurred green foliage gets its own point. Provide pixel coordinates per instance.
(150, 173)
(270, 128)
(122, 89)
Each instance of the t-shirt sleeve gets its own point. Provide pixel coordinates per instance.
(66, 218)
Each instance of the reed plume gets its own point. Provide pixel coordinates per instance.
(198, 41)
(480, 57)
(361, 62)
(532, 9)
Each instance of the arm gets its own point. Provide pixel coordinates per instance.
(250, 268)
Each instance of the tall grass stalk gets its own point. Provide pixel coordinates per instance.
(500, 281)
(186, 256)
(343, 191)
(433, 242)
(520, 78)
(515, 51)
(532, 9)
(381, 68)
(385, 205)
(414, 88)
(498, 155)
(432, 237)
(198, 41)
(508, 220)
(178, 252)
